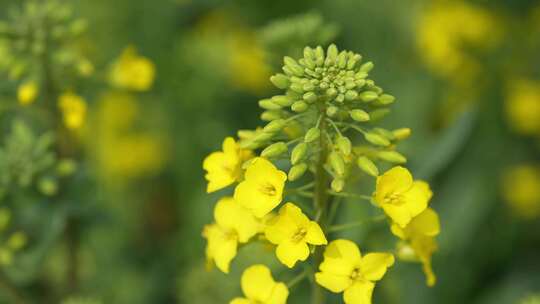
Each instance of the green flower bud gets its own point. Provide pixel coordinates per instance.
(361, 76)
(299, 106)
(351, 95)
(392, 157)
(366, 165)
(66, 167)
(385, 133)
(368, 96)
(282, 100)
(270, 115)
(297, 171)
(245, 134)
(337, 163)
(298, 153)
(359, 115)
(309, 53)
(342, 60)
(17, 240)
(274, 150)
(312, 135)
(280, 81)
(331, 92)
(360, 83)
(268, 104)
(297, 87)
(366, 67)
(340, 98)
(386, 99)
(262, 137)
(332, 52)
(308, 87)
(293, 67)
(48, 186)
(275, 126)
(344, 145)
(332, 111)
(401, 134)
(337, 184)
(310, 97)
(379, 114)
(319, 55)
(376, 139)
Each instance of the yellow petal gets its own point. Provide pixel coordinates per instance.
(240, 301)
(221, 248)
(279, 294)
(359, 293)
(229, 214)
(289, 252)
(279, 229)
(373, 265)
(344, 250)
(295, 214)
(218, 175)
(416, 199)
(431, 279)
(257, 283)
(398, 213)
(395, 180)
(426, 223)
(263, 171)
(247, 193)
(315, 234)
(334, 283)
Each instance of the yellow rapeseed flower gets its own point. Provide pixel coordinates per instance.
(132, 71)
(233, 225)
(73, 108)
(262, 189)
(420, 237)
(345, 270)
(521, 190)
(259, 287)
(522, 106)
(225, 167)
(27, 93)
(400, 197)
(292, 231)
(248, 67)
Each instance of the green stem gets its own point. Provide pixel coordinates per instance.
(350, 195)
(320, 201)
(342, 227)
(299, 278)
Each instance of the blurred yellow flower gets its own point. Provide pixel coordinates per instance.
(420, 236)
(292, 231)
(121, 152)
(400, 197)
(521, 190)
(259, 287)
(262, 189)
(345, 270)
(522, 106)
(132, 71)
(248, 67)
(27, 93)
(234, 224)
(444, 32)
(225, 167)
(73, 108)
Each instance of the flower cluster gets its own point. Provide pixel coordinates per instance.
(329, 103)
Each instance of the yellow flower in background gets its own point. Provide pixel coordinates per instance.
(259, 287)
(420, 237)
(132, 71)
(262, 189)
(292, 231)
(27, 93)
(522, 106)
(400, 197)
(248, 67)
(225, 167)
(345, 270)
(234, 224)
(443, 41)
(122, 152)
(521, 190)
(73, 108)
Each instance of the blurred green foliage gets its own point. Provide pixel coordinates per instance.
(138, 235)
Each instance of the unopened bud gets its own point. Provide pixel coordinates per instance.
(274, 126)
(312, 135)
(337, 163)
(359, 115)
(344, 145)
(297, 171)
(366, 165)
(274, 150)
(299, 106)
(298, 153)
(392, 157)
(280, 81)
(368, 96)
(337, 184)
(282, 100)
(401, 134)
(376, 139)
(268, 104)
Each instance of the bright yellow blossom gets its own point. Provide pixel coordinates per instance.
(225, 167)
(522, 105)
(73, 109)
(521, 190)
(234, 224)
(292, 231)
(132, 71)
(260, 288)
(345, 270)
(400, 197)
(27, 93)
(262, 189)
(420, 234)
